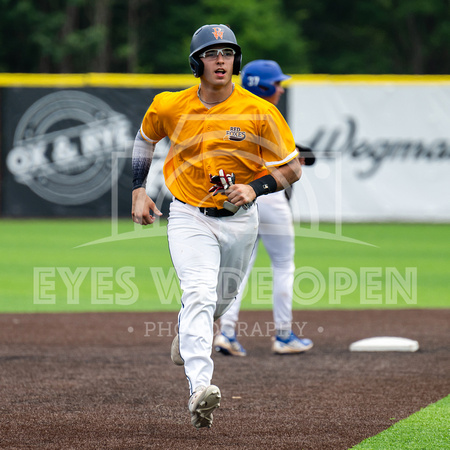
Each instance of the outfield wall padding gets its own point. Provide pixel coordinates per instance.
(382, 145)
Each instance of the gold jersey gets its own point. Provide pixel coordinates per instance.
(244, 135)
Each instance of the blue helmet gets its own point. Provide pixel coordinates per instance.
(260, 75)
(207, 36)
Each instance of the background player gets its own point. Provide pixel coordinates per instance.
(222, 130)
(263, 78)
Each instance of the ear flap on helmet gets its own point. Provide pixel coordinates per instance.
(196, 65)
(237, 63)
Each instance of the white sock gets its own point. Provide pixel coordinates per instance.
(228, 331)
(283, 334)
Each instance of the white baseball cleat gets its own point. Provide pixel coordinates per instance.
(175, 352)
(292, 344)
(202, 403)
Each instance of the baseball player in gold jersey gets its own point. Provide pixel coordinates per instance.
(227, 147)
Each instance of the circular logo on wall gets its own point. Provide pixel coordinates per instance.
(63, 147)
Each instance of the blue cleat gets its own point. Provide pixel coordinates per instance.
(228, 346)
(292, 344)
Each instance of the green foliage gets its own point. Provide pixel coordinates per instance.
(165, 34)
(153, 36)
(263, 29)
(23, 32)
(382, 36)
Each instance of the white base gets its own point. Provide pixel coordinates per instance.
(385, 344)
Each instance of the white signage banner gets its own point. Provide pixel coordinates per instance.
(383, 151)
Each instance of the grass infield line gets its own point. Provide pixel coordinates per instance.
(425, 429)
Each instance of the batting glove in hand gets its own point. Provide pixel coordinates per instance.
(221, 182)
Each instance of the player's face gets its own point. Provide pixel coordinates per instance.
(218, 68)
(279, 91)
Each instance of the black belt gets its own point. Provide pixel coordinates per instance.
(213, 212)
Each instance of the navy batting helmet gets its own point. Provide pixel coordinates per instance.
(260, 75)
(207, 36)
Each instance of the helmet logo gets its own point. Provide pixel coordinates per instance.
(218, 33)
(253, 80)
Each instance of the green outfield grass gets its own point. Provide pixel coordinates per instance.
(47, 266)
(426, 429)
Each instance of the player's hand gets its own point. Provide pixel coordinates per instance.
(240, 194)
(141, 207)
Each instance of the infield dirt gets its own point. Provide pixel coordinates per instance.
(90, 381)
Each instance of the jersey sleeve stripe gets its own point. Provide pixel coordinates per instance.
(146, 137)
(284, 161)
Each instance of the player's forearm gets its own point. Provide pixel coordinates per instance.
(287, 174)
(280, 178)
(141, 160)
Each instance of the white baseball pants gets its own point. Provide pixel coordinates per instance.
(210, 256)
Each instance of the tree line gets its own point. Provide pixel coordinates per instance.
(153, 36)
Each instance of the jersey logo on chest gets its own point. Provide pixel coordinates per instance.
(234, 134)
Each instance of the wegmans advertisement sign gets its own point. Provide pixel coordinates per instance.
(383, 150)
